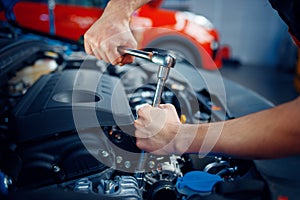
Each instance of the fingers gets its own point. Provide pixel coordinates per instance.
(147, 111)
(156, 128)
(150, 122)
(87, 47)
(144, 111)
(154, 147)
(126, 59)
(101, 51)
(104, 44)
(144, 144)
(144, 122)
(107, 54)
(140, 132)
(167, 106)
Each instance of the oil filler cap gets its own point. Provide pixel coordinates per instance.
(197, 182)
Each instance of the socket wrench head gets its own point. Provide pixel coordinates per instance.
(165, 60)
(161, 59)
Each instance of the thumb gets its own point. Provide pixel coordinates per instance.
(169, 107)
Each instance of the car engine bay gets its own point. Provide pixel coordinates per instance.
(67, 130)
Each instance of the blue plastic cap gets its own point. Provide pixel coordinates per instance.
(197, 182)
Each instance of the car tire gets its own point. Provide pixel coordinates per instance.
(180, 45)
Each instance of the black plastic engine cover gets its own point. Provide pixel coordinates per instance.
(69, 100)
(61, 158)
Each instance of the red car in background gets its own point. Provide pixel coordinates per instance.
(189, 34)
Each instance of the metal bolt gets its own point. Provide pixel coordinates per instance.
(218, 159)
(151, 164)
(105, 154)
(119, 159)
(127, 164)
(118, 136)
(56, 168)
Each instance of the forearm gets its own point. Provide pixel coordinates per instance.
(125, 8)
(266, 134)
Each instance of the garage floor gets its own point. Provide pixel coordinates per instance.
(273, 83)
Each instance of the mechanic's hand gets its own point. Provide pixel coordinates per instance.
(157, 129)
(109, 32)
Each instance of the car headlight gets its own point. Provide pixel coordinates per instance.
(198, 19)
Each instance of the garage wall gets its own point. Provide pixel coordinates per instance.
(252, 28)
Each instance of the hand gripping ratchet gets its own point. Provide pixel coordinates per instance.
(165, 62)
